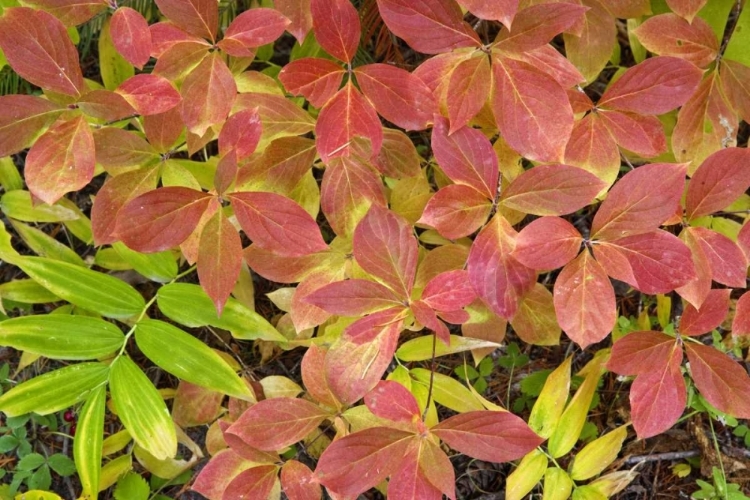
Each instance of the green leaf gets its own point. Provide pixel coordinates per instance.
(30, 462)
(142, 409)
(87, 444)
(55, 390)
(8, 443)
(196, 363)
(85, 288)
(40, 479)
(61, 337)
(10, 179)
(190, 306)
(737, 47)
(112, 66)
(420, 349)
(27, 292)
(61, 464)
(131, 486)
(448, 391)
(160, 266)
(17, 205)
(7, 252)
(46, 246)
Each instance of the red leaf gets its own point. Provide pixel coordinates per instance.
(314, 78)
(38, 48)
(590, 51)
(251, 29)
(554, 189)
(277, 223)
(149, 94)
(61, 160)
(741, 321)
(180, 59)
(336, 27)
(165, 35)
(711, 314)
(488, 435)
(547, 243)
(721, 380)
(313, 376)
(670, 35)
(456, 211)
(197, 17)
(385, 247)
(298, 12)
(357, 462)
(304, 314)
(643, 135)
(552, 63)
(273, 424)
(696, 290)
(354, 367)
(399, 96)
(299, 482)
(256, 482)
(640, 201)
(469, 88)
(163, 129)
(435, 466)
(466, 156)
(392, 401)
(719, 181)
(208, 94)
(536, 322)
(532, 110)
(219, 259)
(398, 158)
(430, 26)
(241, 133)
(106, 105)
(593, 148)
(497, 277)
(449, 291)
(69, 12)
(346, 116)
(734, 81)
(727, 261)
(282, 165)
(113, 195)
(537, 25)
(218, 473)
(350, 186)
(686, 8)
(131, 36)
(161, 219)
(22, 119)
(658, 397)
(640, 352)
(585, 301)
(498, 10)
(354, 297)
(408, 481)
(426, 316)
(655, 262)
(655, 86)
(118, 150)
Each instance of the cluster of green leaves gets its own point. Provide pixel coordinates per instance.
(203, 143)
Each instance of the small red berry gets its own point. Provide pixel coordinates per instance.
(73, 430)
(69, 416)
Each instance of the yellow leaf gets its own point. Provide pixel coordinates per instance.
(551, 402)
(528, 473)
(557, 484)
(598, 454)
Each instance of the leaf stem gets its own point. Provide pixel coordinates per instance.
(432, 377)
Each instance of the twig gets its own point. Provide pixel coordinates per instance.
(656, 457)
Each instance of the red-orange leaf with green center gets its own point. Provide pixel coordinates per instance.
(409, 481)
(219, 259)
(655, 262)
(537, 25)
(22, 120)
(161, 219)
(585, 301)
(641, 201)
(712, 313)
(670, 35)
(316, 79)
(392, 401)
(469, 88)
(398, 158)
(106, 105)
(498, 278)
(277, 223)
(547, 243)
(385, 247)
(488, 435)
(70, 12)
(357, 462)
(251, 29)
(61, 160)
(299, 482)
(553, 189)
(198, 17)
(274, 424)
(735, 81)
(654, 87)
(336, 27)
(498, 10)
(593, 148)
(131, 36)
(354, 297)
(399, 96)
(590, 51)
(223, 467)
(162, 130)
(721, 380)
(466, 156)
(38, 48)
(686, 8)
(696, 291)
(429, 26)
(299, 14)
(282, 165)
(149, 94)
(119, 151)
(741, 321)
(531, 109)
(536, 322)
(208, 94)
(346, 116)
(256, 482)
(437, 468)
(456, 211)
(719, 181)
(314, 376)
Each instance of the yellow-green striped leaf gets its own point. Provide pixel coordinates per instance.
(87, 445)
(160, 266)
